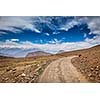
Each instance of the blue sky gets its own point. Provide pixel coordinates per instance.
(57, 32)
(49, 33)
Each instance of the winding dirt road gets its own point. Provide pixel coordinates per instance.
(62, 71)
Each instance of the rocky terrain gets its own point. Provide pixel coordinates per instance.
(29, 69)
(89, 63)
(23, 70)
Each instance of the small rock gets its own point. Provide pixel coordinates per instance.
(13, 72)
(91, 68)
(38, 65)
(80, 55)
(89, 74)
(6, 79)
(96, 69)
(97, 66)
(14, 69)
(8, 69)
(23, 75)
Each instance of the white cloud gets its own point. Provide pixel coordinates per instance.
(31, 27)
(14, 40)
(55, 33)
(93, 23)
(2, 33)
(85, 35)
(55, 41)
(69, 25)
(52, 47)
(47, 34)
(41, 41)
(36, 30)
(9, 23)
(94, 40)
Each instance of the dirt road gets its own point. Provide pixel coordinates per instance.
(62, 71)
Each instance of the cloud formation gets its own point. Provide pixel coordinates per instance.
(14, 40)
(54, 47)
(10, 24)
(37, 23)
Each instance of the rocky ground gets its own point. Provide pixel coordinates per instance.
(23, 70)
(89, 64)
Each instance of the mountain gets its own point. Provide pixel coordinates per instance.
(60, 51)
(37, 53)
(4, 57)
(16, 52)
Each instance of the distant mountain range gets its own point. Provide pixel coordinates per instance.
(16, 52)
(21, 52)
(41, 53)
(60, 51)
(37, 53)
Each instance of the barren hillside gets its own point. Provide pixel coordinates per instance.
(30, 69)
(89, 63)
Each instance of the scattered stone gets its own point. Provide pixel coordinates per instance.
(8, 69)
(14, 69)
(97, 66)
(91, 78)
(80, 55)
(23, 74)
(27, 78)
(92, 68)
(96, 69)
(89, 74)
(13, 72)
(38, 65)
(6, 79)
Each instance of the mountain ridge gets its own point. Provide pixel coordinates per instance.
(37, 53)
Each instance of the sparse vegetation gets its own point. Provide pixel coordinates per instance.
(29, 69)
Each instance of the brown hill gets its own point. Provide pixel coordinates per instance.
(37, 53)
(30, 68)
(89, 63)
(60, 51)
